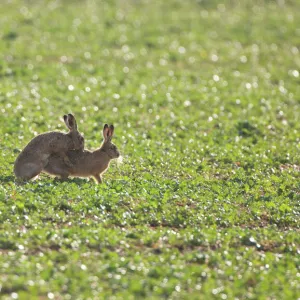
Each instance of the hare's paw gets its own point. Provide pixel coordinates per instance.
(98, 178)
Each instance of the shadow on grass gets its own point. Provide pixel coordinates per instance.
(44, 181)
(6, 179)
(78, 181)
(45, 184)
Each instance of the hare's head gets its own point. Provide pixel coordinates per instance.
(77, 138)
(107, 146)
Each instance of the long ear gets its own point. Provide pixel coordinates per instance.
(111, 131)
(105, 132)
(72, 122)
(66, 121)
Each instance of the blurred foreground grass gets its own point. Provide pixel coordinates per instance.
(204, 96)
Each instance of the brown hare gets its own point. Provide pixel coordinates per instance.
(85, 163)
(34, 157)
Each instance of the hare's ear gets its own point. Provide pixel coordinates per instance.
(66, 121)
(72, 122)
(105, 132)
(111, 131)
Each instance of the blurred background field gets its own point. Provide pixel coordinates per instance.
(204, 97)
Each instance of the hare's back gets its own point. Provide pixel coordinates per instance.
(48, 142)
(79, 155)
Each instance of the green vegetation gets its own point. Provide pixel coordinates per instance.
(205, 101)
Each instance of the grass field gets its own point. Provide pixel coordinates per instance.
(205, 101)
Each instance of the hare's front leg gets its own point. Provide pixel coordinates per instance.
(98, 178)
(67, 160)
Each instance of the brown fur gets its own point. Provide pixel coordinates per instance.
(34, 156)
(85, 163)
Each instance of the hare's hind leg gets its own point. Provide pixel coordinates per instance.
(28, 171)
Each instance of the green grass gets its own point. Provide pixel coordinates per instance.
(205, 101)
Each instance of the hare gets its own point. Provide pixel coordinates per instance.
(85, 163)
(34, 157)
